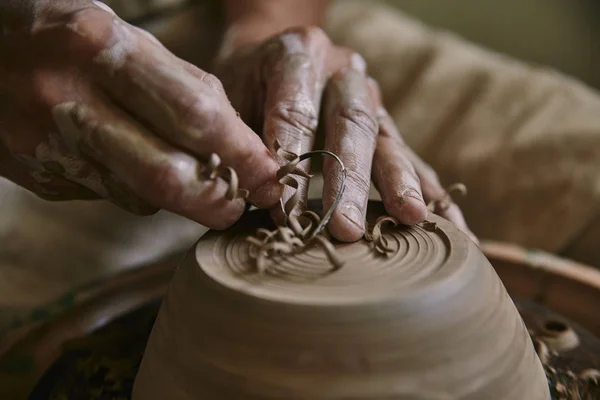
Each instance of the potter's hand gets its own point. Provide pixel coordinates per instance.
(278, 86)
(94, 107)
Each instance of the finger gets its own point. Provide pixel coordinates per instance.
(351, 129)
(187, 110)
(294, 90)
(156, 171)
(433, 190)
(393, 172)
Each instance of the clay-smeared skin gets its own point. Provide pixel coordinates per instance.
(429, 320)
(291, 75)
(94, 107)
(99, 108)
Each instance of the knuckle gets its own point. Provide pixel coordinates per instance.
(362, 117)
(199, 111)
(163, 185)
(148, 36)
(305, 37)
(357, 62)
(301, 116)
(312, 35)
(84, 15)
(94, 26)
(360, 182)
(213, 82)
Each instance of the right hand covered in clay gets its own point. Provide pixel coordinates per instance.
(94, 107)
(278, 84)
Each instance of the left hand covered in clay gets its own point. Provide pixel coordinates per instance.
(279, 84)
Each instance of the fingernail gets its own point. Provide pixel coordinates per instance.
(410, 208)
(353, 214)
(413, 194)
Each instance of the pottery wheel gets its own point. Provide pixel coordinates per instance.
(430, 320)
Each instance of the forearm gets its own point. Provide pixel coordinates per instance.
(250, 21)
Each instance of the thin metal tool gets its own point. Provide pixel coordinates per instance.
(325, 219)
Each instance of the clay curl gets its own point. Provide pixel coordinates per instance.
(441, 205)
(213, 170)
(302, 231)
(307, 229)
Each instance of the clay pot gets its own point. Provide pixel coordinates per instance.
(431, 320)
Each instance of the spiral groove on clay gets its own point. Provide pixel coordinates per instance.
(411, 254)
(302, 231)
(428, 319)
(305, 230)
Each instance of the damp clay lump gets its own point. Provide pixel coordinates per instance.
(428, 320)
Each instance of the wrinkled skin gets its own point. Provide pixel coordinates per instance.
(111, 113)
(279, 85)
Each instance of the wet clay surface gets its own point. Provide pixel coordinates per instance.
(103, 365)
(430, 319)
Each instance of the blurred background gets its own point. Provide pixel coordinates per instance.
(564, 34)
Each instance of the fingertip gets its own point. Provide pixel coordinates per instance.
(257, 172)
(207, 205)
(347, 223)
(225, 217)
(409, 210)
(267, 195)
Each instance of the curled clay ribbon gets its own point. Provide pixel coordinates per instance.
(380, 242)
(306, 229)
(286, 241)
(440, 205)
(284, 174)
(301, 232)
(213, 170)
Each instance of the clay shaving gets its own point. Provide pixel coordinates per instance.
(380, 242)
(441, 205)
(307, 229)
(301, 232)
(213, 170)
